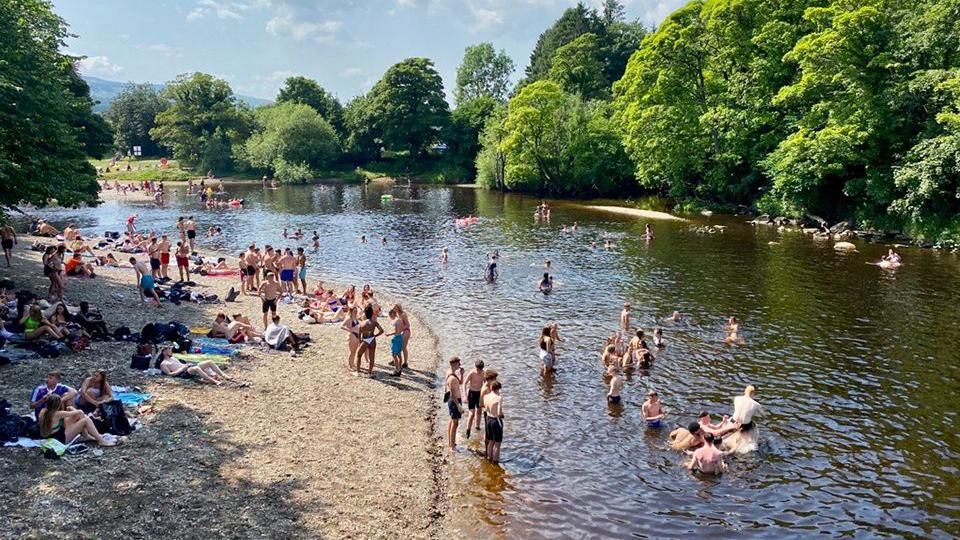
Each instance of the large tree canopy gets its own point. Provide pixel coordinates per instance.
(578, 68)
(309, 92)
(202, 122)
(46, 123)
(574, 22)
(483, 72)
(133, 114)
(291, 134)
(408, 106)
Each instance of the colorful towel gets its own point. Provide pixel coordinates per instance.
(131, 399)
(218, 359)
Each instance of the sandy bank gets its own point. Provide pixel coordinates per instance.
(634, 212)
(302, 450)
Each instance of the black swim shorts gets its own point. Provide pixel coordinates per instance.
(454, 410)
(7, 243)
(154, 264)
(494, 431)
(269, 305)
(473, 399)
(191, 234)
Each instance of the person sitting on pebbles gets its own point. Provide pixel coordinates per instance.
(206, 371)
(65, 423)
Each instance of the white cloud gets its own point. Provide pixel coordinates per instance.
(98, 65)
(286, 25)
(484, 19)
(353, 72)
(220, 9)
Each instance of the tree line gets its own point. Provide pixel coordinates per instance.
(846, 109)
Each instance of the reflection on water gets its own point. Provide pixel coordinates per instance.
(857, 368)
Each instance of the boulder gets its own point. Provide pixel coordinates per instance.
(840, 227)
(844, 246)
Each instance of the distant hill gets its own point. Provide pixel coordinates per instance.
(105, 91)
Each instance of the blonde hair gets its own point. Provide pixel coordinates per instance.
(750, 390)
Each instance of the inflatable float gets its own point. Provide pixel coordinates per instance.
(225, 272)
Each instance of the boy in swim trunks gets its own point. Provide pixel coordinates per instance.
(454, 401)
(616, 386)
(269, 292)
(302, 272)
(396, 342)
(153, 250)
(288, 267)
(652, 411)
(191, 227)
(493, 407)
(8, 238)
(183, 260)
(473, 385)
(145, 284)
(164, 257)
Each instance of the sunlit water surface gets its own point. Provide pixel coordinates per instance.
(858, 368)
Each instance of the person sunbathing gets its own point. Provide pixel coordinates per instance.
(240, 327)
(63, 423)
(108, 260)
(210, 267)
(45, 229)
(206, 371)
(94, 392)
(221, 326)
(36, 326)
(78, 246)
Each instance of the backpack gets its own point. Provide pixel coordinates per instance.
(140, 361)
(48, 349)
(145, 349)
(150, 334)
(114, 420)
(121, 334)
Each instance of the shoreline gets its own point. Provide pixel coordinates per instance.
(331, 455)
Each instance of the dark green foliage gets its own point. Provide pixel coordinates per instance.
(463, 138)
(408, 107)
(46, 124)
(308, 92)
(132, 115)
(483, 72)
(574, 22)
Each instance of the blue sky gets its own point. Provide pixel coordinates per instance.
(346, 45)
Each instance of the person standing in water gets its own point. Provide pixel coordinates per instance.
(708, 459)
(647, 232)
(652, 411)
(191, 227)
(548, 352)
(444, 256)
(625, 316)
(616, 385)
(493, 409)
(491, 271)
(454, 401)
(473, 384)
(744, 409)
(546, 284)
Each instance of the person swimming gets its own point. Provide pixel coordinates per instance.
(546, 284)
(491, 270)
(658, 338)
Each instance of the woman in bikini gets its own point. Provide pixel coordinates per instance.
(406, 331)
(63, 424)
(36, 326)
(352, 327)
(369, 330)
(548, 353)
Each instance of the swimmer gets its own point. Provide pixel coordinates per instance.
(546, 284)
(284, 232)
(648, 232)
(652, 411)
(444, 257)
(574, 227)
(675, 317)
(708, 459)
(363, 239)
(687, 438)
(892, 257)
(658, 338)
(491, 271)
(472, 386)
(616, 386)
(316, 240)
(593, 246)
(548, 352)
(608, 245)
(609, 357)
(717, 430)
(733, 332)
(546, 264)
(493, 410)
(744, 408)
(625, 316)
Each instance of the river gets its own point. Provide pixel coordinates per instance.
(858, 368)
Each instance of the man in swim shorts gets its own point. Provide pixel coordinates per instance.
(493, 408)
(269, 292)
(687, 438)
(183, 260)
(145, 284)
(153, 250)
(301, 282)
(616, 386)
(191, 228)
(708, 459)
(164, 247)
(473, 384)
(8, 238)
(652, 411)
(251, 277)
(625, 316)
(288, 268)
(454, 401)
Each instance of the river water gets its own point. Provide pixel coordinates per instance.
(858, 368)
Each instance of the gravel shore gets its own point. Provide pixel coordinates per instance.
(296, 447)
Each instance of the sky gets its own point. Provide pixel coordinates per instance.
(346, 45)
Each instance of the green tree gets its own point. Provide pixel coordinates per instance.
(361, 143)
(132, 115)
(408, 106)
(483, 72)
(202, 122)
(46, 122)
(309, 92)
(491, 163)
(613, 11)
(289, 137)
(578, 68)
(574, 22)
(466, 123)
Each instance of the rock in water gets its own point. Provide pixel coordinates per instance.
(844, 246)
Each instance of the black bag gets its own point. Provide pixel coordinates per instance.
(182, 344)
(11, 426)
(140, 361)
(114, 420)
(150, 334)
(121, 334)
(48, 349)
(145, 349)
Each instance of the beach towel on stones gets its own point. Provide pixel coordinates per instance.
(218, 359)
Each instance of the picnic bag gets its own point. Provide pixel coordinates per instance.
(114, 420)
